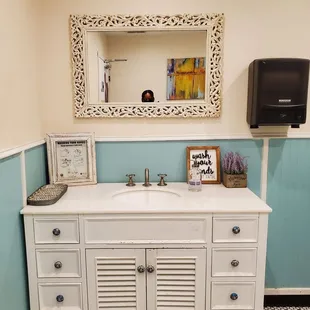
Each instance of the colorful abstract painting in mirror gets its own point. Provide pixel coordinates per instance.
(186, 78)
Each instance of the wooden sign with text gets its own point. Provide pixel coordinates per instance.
(208, 158)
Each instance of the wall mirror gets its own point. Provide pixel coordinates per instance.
(116, 58)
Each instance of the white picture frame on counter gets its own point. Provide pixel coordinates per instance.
(71, 158)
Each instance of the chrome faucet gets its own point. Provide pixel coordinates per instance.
(147, 178)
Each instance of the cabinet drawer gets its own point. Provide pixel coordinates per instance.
(56, 230)
(145, 230)
(234, 262)
(232, 229)
(233, 295)
(60, 296)
(58, 263)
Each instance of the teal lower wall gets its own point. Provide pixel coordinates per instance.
(13, 266)
(116, 159)
(36, 168)
(13, 279)
(288, 194)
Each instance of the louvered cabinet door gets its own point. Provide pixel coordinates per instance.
(114, 281)
(176, 279)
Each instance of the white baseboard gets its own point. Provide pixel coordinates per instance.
(288, 291)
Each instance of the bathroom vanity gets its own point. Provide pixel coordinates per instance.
(109, 246)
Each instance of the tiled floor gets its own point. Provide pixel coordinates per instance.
(287, 308)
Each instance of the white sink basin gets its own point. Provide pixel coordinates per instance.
(148, 196)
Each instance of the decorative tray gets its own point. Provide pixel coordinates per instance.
(47, 194)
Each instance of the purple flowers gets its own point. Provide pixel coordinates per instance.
(234, 163)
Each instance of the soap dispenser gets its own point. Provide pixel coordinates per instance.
(194, 180)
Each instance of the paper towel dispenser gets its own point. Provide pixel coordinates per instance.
(277, 92)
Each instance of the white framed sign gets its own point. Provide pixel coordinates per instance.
(71, 158)
(208, 158)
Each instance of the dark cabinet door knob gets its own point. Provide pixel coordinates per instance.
(141, 269)
(235, 263)
(233, 296)
(58, 265)
(60, 298)
(150, 269)
(56, 231)
(236, 230)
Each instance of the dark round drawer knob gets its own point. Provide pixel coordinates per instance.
(141, 269)
(58, 265)
(233, 296)
(236, 230)
(235, 263)
(60, 298)
(56, 231)
(150, 269)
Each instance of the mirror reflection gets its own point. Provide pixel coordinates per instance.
(142, 67)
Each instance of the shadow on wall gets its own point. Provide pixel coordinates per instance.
(236, 92)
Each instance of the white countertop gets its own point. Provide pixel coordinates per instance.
(98, 199)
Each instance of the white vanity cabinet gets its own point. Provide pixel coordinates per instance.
(91, 259)
(123, 278)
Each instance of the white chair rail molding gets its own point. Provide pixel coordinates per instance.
(112, 246)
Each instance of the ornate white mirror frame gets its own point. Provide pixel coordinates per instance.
(212, 23)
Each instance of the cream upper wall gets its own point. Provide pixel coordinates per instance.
(253, 29)
(20, 120)
(146, 65)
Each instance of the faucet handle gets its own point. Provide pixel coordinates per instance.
(162, 179)
(130, 180)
